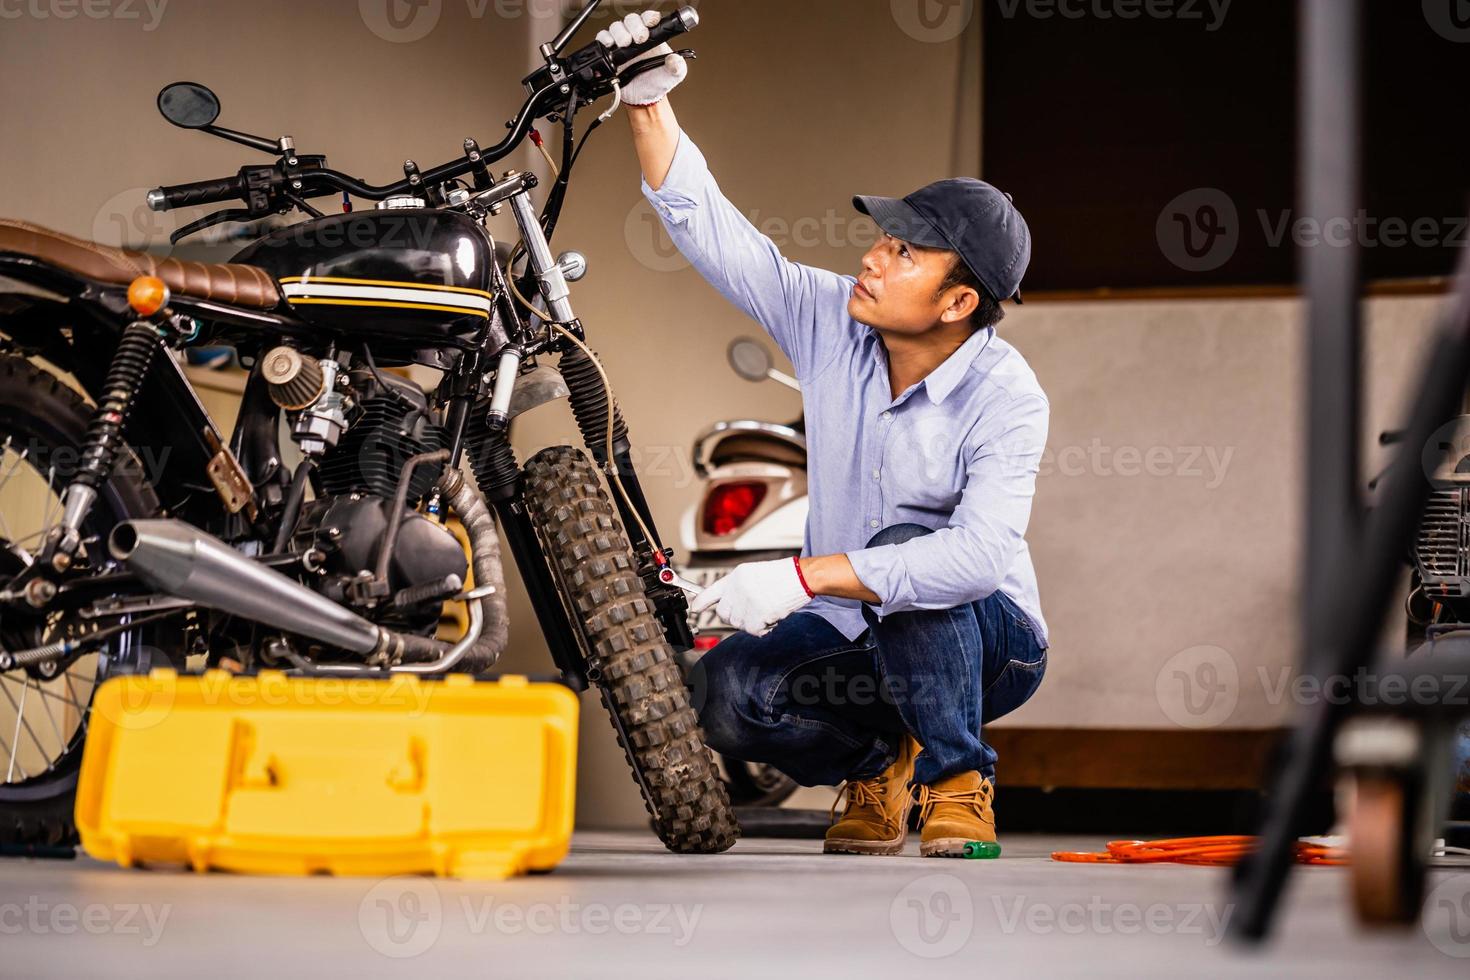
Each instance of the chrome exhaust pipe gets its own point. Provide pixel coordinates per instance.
(174, 557)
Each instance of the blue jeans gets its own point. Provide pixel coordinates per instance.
(822, 708)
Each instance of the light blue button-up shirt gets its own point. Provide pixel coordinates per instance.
(957, 452)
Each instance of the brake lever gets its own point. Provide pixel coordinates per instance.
(209, 220)
(650, 64)
(597, 88)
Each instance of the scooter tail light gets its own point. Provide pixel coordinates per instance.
(730, 505)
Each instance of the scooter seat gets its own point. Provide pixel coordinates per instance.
(756, 448)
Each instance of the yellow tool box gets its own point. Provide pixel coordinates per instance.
(358, 776)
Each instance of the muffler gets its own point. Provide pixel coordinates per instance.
(182, 560)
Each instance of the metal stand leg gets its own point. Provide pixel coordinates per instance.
(1351, 566)
(1330, 154)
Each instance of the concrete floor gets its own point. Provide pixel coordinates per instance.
(621, 906)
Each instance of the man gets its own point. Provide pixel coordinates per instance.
(912, 615)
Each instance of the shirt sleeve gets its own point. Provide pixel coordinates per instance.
(969, 559)
(802, 308)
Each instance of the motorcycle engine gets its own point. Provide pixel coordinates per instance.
(390, 421)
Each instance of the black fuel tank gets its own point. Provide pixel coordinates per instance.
(408, 274)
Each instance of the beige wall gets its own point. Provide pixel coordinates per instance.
(1141, 566)
(841, 99)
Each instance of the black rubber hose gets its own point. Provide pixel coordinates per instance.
(291, 509)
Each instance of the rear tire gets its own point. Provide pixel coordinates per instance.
(37, 410)
(633, 665)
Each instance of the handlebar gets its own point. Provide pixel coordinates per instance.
(196, 193)
(594, 65)
(681, 21)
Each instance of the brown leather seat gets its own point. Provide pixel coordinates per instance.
(238, 285)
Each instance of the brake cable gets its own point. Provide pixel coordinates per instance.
(536, 140)
(612, 466)
(573, 150)
(659, 558)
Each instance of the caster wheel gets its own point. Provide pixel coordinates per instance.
(1388, 850)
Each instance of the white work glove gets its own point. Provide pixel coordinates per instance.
(757, 595)
(656, 83)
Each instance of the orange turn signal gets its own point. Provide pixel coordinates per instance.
(147, 295)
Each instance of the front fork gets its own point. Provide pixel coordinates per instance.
(590, 405)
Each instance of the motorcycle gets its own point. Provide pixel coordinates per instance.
(148, 538)
(754, 508)
(1437, 607)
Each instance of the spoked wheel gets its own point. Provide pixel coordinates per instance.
(635, 670)
(1389, 847)
(44, 709)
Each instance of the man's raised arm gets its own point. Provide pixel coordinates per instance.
(655, 137)
(803, 309)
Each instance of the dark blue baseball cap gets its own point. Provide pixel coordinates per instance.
(963, 215)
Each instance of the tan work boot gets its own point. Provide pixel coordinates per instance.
(955, 811)
(876, 820)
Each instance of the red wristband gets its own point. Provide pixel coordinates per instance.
(802, 579)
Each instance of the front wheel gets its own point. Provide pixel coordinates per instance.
(633, 665)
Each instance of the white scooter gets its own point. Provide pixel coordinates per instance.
(753, 508)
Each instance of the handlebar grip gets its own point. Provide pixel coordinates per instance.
(199, 192)
(681, 21)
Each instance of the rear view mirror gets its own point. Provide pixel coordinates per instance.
(188, 105)
(750, 359)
